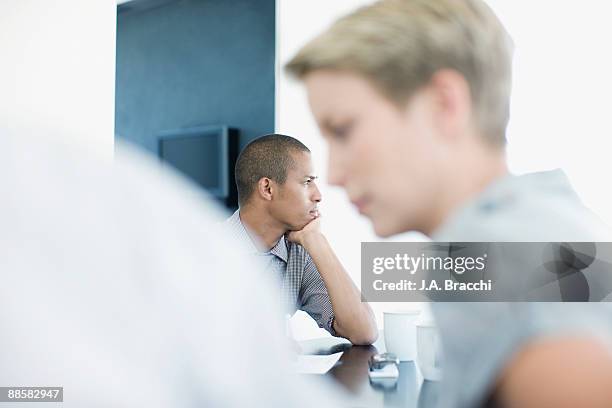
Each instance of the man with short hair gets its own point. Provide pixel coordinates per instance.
(279, 218)
(413, 97)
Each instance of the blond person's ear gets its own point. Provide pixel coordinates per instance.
(558, 372)
(451, 97)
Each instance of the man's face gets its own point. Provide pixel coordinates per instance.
(296, 203)
(388, 159)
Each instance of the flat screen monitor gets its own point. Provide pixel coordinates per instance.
(206, 155)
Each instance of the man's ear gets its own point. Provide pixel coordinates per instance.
(452, 101)
(265, 188)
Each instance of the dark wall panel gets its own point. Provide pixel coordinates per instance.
(195, 62)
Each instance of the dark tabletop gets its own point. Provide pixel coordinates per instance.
(351, 373)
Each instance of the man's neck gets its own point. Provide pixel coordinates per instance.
(263, 229)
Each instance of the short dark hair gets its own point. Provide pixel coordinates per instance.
(267, 156)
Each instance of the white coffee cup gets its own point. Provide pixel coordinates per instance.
(429, 351)
(400, 333)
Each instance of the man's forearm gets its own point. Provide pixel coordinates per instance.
(353, 318)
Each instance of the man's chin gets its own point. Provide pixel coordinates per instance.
(298, 226)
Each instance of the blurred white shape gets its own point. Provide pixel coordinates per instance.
(119, 284)
(315, 364)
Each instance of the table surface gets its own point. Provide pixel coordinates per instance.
(351, 373)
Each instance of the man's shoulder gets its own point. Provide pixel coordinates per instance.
(233, 219)
(233, 225)
(296, 250)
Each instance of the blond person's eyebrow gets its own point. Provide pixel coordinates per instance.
(327, 124)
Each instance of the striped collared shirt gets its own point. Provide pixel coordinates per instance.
(301, 284)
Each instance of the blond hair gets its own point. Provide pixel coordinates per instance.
(399, 44)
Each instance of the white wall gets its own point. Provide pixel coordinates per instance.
(560, 98)
(57, 76)
(561, 93)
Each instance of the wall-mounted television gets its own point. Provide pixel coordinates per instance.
(205, 154)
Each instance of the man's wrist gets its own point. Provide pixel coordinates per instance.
(310, 240)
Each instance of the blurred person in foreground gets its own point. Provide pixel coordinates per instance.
(413, 98)
(279, 221)
(119, 284)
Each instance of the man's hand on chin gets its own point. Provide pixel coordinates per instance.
(353, 319)
(310, 230)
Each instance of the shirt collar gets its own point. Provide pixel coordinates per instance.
(239, 231)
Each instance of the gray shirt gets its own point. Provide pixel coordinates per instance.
(480, 338)
(291, 265)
